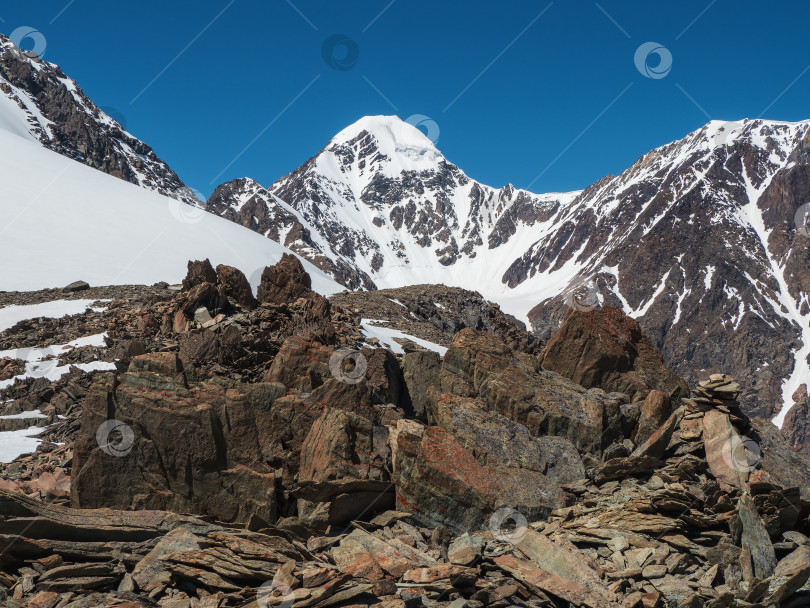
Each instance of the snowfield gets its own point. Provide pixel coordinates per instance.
(62, 221)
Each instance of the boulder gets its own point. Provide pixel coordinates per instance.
(337, 453)
(497, 440)
(285, 281)
(605, 348)
(363, 555)
(76, 286)
(755, 538)
(723, 450)
(236, 286)
(300, 364)
(199, 272)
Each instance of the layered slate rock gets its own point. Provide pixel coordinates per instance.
(605, 348)
(342, 476)
(513, 384)
(495, 439)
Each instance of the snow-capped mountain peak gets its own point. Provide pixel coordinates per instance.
(382, 199)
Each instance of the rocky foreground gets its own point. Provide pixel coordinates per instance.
(262, 451)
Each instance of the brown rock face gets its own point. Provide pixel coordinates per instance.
(341, 476)
(236, 286)
(199, 271)
(442, 483)
(300, 364)
(796, 427)
(654, 412)
(605, 348)
(285, 282)
(513, 384)
(150, 443)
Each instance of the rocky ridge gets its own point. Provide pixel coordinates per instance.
(54, 111)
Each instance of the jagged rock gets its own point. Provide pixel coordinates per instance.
(755, 539)
(547, 582)
(364, 555)
(498, 441)
(152, 573)
(301, 364)
(605, 348)
(199, 272)
(188, 450)
(340, 448)
(793, 562)
(656, 445)
(285, 282)
(481, 365)
(236, 286)
(420, 371)
(465, 550)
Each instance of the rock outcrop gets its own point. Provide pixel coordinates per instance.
(605, 348)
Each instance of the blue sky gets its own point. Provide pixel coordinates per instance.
(545, 95)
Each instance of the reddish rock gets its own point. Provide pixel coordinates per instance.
(724, 450)
(605, 348)
(300, 364)
(442, 483)
(180, 322)
(236, 286)
(480, 365)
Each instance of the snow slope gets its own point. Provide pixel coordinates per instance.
(61, 221)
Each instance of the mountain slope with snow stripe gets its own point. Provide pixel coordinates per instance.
(64, 221)
(38, 101)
